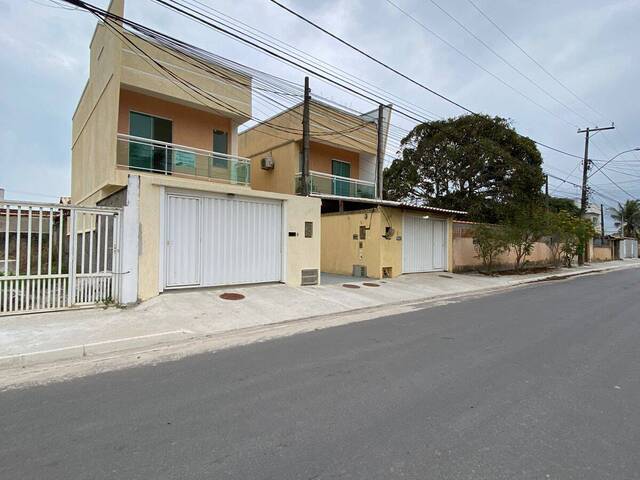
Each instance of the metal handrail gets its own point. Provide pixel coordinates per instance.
(184, 148)
(338, 177)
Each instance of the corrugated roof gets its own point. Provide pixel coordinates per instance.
(389, 203)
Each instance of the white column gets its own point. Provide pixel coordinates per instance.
(233, 138)
(130, 243)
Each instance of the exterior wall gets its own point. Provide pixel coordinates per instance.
(191, 127)
(359, 136)
(601, 254)
(340, 251)
(301, 253)
(465, 256)
(321, 156)
(282, 177)
(231, 90)
(93, 143)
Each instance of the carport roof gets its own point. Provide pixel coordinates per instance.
(390, 203)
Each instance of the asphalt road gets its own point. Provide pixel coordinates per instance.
(536, 383)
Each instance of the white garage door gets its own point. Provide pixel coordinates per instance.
(213, 240)
(424, 244)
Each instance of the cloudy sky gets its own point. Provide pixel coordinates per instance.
(590, 46)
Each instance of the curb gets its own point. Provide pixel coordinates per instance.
(177, 337)
(93, 349)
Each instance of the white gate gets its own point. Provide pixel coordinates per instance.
(424, 244)
(213, 240)
(54, 256)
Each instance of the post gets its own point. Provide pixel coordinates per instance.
(304, 178)
(129, 244)
(546, 191)
(584, 199)
(601, 223)
(380, 153)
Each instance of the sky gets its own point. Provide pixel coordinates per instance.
(589, 46)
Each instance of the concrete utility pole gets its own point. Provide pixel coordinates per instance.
(546, 191)
(601, 222)
(304, 178)
(380, 153)
(585, 173)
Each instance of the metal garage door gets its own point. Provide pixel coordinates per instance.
(424, 244)
(215, 240)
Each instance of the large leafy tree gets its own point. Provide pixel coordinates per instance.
(629, 215)
(474, 162)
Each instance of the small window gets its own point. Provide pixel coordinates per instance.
(308, 229)
(363, 232)
(220, 145)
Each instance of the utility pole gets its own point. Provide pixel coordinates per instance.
(584, 199)
(380, 153)
(305, 138)
(546, 191)
(601, 222)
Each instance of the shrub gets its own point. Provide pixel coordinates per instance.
(489, 242)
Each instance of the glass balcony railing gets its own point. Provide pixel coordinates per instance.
(146, 155)
(327, 184)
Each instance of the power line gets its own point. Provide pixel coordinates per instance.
(556, 79)
(507, 62)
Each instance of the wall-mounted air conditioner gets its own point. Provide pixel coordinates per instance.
(267, 163)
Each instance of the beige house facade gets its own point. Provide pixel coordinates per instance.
(362, 234)
(202, 219)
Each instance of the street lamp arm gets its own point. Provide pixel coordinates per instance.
(613, 158)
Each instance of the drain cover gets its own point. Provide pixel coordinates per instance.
(445, 276)
(231, 296)
(368, 284)
(350, 285)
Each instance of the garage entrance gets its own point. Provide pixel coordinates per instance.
(424, 244)
(221, 240)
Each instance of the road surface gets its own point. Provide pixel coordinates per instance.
(540, 382)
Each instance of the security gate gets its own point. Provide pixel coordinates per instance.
(424, 244)
(54, 256)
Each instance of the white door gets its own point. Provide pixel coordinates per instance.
(424, 244)
(183, 241)
(233, 241)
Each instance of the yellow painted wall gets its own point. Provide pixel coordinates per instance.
(301, 252)
(340, 251)
(357, 136)
(94, 123)
(231, 91)
(281, 177)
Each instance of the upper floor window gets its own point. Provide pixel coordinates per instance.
(220, 145)
(148, 155)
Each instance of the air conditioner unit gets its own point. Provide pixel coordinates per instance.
(267, 163)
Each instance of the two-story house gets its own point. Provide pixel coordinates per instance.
(362, 234)
(200, 221)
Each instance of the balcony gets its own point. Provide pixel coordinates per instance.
(146, 155)
(326, 184)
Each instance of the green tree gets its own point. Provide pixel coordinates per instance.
(489, 242)
(557, 205)
(568, 236)
(475, 163)
(629, 214)
(523, 229)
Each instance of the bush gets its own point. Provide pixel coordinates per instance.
(489, 242)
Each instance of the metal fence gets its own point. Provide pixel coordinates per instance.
(54, 257)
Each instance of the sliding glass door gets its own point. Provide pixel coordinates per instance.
(147, 155)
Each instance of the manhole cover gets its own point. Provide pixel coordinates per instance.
(368, 284)
(445, 276)
(350, 285)
(231, 296)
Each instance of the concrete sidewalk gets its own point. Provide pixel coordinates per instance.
(180, 316)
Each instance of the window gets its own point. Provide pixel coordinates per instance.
(147, 156)
(341, 169)
(220, 145)
(308, 229)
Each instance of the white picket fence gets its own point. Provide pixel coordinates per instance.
(54, 257)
